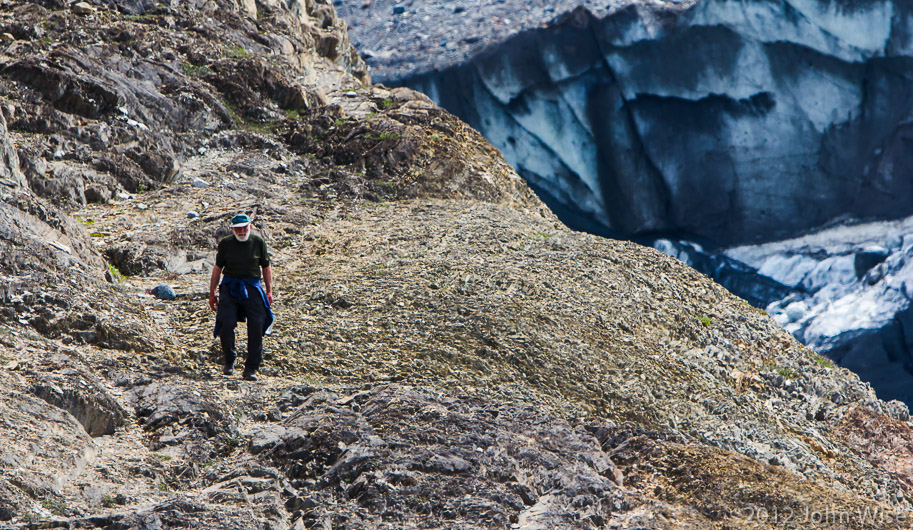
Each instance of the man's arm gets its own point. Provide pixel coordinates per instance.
(213, 285)
(268, 282)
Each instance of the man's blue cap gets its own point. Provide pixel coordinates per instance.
(240, 220)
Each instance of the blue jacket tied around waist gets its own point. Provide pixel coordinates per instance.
(237, 287)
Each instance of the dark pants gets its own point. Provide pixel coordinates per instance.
(229, 310)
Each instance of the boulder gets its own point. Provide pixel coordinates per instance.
(77, 393)
(189, 424)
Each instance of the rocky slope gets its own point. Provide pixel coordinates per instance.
(719, 122)
(446, 355)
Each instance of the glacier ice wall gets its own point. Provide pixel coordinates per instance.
(738, 121)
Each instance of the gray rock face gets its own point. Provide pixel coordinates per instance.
(76, 393)
(11, 176)
(737, 121)
(187, 423)
(415, 457)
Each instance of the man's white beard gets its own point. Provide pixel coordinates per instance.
(243, 238)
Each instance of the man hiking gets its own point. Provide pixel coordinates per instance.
(240, 258)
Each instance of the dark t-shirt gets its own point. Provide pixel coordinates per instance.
(242, 260)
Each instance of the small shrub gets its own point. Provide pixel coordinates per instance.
(55, 506)
(116, 275)
(267, 127)
(193, 70)
(823, 361)
(787, 373)
(237, 52)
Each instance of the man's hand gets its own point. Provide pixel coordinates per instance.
(213, 285)
(268, 283)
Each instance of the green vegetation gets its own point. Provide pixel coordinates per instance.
(193, 70)
(231, 111)
(237, 52)
(787, 373)
(753, 308)
(387, 136)
(823, 361)
(163, 458)
(340, 122)
(116, 275)
(389, 188)
(292, 114)
(387, 103)
(164, 487)
(57, 507)
(705, 320)
(262, 127)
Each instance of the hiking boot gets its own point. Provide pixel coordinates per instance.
(249, 376)
(229, 369)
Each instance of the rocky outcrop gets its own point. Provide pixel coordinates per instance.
(734, 121)
(134, 113)
(83, 398)
(444, 460)
(10, 175)
(180, 420)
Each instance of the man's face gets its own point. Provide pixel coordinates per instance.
(241, 232)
